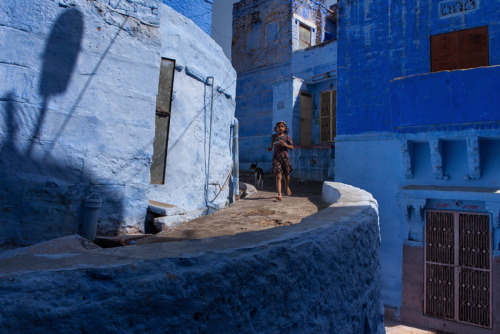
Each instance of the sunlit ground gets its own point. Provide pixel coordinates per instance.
(392, 327)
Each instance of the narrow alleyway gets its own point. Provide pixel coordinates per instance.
(256, 212)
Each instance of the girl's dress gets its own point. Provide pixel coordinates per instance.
(281, 160)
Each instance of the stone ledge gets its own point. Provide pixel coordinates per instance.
(321, 275)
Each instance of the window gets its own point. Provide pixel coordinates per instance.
(304, 36)
(458, 267)
(328, 120)
(162, 121)
(460, 49)
(305, 118)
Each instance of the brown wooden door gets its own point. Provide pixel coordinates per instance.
(328, 118)
(306, 107)
(162, 121)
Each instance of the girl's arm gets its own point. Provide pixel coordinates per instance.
(270, 148)
(289, 146)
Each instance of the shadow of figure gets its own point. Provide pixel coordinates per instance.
(59, 60)
(41, 198)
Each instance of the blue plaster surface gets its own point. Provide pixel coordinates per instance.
(78, 115)
(269, 86)
(200, 137)
(387, 97)
(381, 42)
(321, 275)
(69, 69)
(254, 110)
(367, 162)
(446, 97)
(199, 11)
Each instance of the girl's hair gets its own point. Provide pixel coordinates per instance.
(281, 122)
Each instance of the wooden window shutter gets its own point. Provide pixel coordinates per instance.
(444, 52)
(473, 48)
(460, 49)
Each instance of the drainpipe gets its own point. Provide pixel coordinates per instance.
(209, 83)
(236, 159)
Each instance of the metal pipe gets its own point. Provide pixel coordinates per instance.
(209, 144)
(236, 159)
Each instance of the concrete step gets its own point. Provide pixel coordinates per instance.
(163, 209)
(170, 221)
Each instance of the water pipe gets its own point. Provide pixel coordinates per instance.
(209, 141)
(236, 159)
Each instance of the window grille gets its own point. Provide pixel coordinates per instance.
(458, 267)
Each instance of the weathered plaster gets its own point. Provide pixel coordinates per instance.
(78, 102)
(200, 128)
(401, 126)
(79, 80)
(321, 275)
(272, 72)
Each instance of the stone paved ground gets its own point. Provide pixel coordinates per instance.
(257, 212)
(392, 327)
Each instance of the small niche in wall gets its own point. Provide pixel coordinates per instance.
(455, 159)
(421, 160)
(490, 160)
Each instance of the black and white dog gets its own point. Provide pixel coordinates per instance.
(259, 176)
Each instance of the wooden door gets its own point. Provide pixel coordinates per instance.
(162, 121)
(306, 107)
(328, 116)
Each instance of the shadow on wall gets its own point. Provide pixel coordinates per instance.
(41, 197)
(59, 60)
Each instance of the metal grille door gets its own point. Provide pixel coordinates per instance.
(458, 267)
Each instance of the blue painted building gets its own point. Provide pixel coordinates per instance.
(199, 11)
(285, 56)
(418, 127)
(109, 108)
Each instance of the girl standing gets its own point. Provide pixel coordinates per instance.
(281, 142)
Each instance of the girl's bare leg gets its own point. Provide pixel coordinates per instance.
(278, 186)
(287, 185)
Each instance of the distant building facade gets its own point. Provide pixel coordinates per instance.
(285, 56)
(418, 127)
(123, 105)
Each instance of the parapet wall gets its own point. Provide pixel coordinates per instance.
(319, 276)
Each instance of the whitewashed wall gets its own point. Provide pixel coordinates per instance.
(189, 149)
(77, 101)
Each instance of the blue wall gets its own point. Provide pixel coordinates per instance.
(425, 100)
(379, 43)
(199, 11)
(386, 99)
(265, 55)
